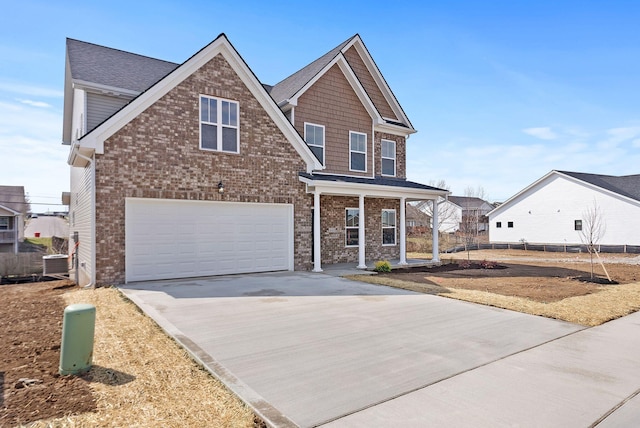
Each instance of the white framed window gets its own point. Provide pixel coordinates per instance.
(388, 227)
(352, 223)
(388, 149)
(219, 129)
(314, 136)
(357, 151)
(4, 223)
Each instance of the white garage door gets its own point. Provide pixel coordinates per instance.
(179, 239)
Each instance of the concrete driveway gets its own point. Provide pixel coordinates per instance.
(308, 349)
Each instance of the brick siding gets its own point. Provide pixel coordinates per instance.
(332, 224)
(157, 155)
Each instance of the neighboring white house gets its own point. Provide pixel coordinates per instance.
(12, 211)
(449, 214)
(551, 210)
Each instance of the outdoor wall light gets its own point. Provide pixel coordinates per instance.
(220, 188)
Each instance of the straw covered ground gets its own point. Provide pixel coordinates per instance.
(139, 376)
(554, 285)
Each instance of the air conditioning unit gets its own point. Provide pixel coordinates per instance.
(55, 264)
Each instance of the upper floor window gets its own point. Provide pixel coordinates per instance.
(4, 223)
(388, 157)
(498, 224)
(509, 224)
(577, 224)
(352, 223)
(219, 125)
(357, 151)
(314, 136)
(388, 227)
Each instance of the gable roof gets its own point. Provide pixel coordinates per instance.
(288, 87)
(288, 90)
(627, 186)
(12, 198)
(94, 140)
(468, 202)
(95, 64)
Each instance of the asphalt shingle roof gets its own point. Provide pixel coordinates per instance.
(115, 68)
(12, 197)
(625, 185)
(380, 181)
(292, 84)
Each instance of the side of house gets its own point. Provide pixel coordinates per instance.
(552, 210)
(13, 209)
(207, 171)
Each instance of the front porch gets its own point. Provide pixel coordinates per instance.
(342, 269)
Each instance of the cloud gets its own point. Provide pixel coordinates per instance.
(617, 136)
(544, 133)
(636, 143)
(32, 90)
(41, 104)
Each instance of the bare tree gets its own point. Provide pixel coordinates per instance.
(593, 229)
(471, 218)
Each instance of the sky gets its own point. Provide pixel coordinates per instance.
(501, 92)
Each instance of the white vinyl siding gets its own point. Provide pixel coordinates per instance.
(101, 107)
(81, 220)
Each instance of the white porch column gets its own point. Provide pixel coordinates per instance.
(362, 264)
(434, 230)
(317, 264)
(403, 231)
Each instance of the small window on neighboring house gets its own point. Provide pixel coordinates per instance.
(219, 125)
(352, 222)
(388, 157)
(314, 136)
(509, 224)
(577, 224)
(388, 227)
(4, 223)
(357, 151)
(498, 224)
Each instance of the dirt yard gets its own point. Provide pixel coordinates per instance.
(139, 375)
(554, 285)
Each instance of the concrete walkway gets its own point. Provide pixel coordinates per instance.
(310, 349)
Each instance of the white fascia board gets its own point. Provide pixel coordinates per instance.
(104, 89)
(9, 210)
(377, 77)
(95, 139)
(353, 81)
(369, 190)
(390, 128)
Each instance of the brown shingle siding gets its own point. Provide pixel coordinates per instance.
(369, 84)
(332, 102)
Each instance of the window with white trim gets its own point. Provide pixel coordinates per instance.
(388, 227)
(4, 223)
(388, 149)
(314, 136)
(357, 151)
(352, 224)
(219, 125)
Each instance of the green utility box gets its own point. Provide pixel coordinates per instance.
(76, 349)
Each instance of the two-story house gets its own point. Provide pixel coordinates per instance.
(13, 208)
(195, 169)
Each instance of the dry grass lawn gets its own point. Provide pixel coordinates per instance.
(143, 378)
(607, 303)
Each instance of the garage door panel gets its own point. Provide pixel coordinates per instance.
(174, 239)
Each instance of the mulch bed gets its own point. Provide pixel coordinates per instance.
(30, 332)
